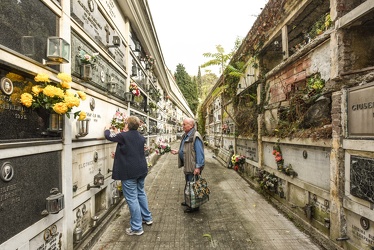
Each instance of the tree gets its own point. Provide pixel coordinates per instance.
(220, 58)
(187, 86)
(199, 82)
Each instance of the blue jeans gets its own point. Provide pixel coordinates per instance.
(133, 190)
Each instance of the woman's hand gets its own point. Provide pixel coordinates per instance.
(174, 152)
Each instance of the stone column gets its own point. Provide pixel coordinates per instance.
(337, 170)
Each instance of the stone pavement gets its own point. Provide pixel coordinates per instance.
(235, 217)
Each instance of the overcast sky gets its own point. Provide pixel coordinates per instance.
(187, 29)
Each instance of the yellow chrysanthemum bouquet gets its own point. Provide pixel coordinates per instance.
(54, 97)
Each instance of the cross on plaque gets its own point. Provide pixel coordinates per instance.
(107, 32)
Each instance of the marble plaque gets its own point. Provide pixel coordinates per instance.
(18, 122)
(312, 169)
(21, 30)
(90, 16)
(361, 111)
(362, 178)
(87, 162)
(99, 113)
(360, 230)
(102, 72)
(23, 197)
(50, 238)
(248, 148)
(82, 216)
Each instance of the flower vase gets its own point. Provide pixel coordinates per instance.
(55, 122)
(86, 72)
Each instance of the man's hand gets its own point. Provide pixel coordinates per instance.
(174, 152)
(196, 171)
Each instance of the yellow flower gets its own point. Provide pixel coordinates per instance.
(42, 78)
(53, 91)
(26, 99)
(28, 87)
(71, 101)
(14, 77)
(82, 116)
(64, 77)
(37, 89)
(60, 108)
(82, 95)
(69, 93)
(65, 85)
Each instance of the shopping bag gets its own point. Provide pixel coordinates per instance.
(196, 192)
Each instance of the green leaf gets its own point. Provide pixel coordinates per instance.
(208, 235)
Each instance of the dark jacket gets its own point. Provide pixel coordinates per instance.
(129, 159)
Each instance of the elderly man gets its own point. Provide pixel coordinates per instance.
(190, 155)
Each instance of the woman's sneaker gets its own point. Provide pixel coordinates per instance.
(129, 231)
(148, 223)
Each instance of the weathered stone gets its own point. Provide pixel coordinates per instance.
(317, 114)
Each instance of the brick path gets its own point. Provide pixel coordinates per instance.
(236, 217)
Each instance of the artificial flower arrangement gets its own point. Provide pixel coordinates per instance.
(118, 120)
(149, 60)
(86, 58)
(280, 162)
(162, 147)
(289, 171)
(238, 160)
(267, 181)
(134, 89)
(54, 97)
(278, 157)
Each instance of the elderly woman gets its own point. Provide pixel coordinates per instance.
(130, 167)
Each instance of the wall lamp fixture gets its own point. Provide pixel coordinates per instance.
(54, 202)
(116, 42)
(58, 51)
(98, 181)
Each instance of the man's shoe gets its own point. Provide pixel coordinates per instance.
(149, 223)
(129, 231)
(191, 210)
(184, 204)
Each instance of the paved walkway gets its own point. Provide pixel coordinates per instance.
(236, 217)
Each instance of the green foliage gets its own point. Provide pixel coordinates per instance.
(201, 121)
(219, 58)
(315, 83)
(187, 87)
(152, 105)
(322, 24)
